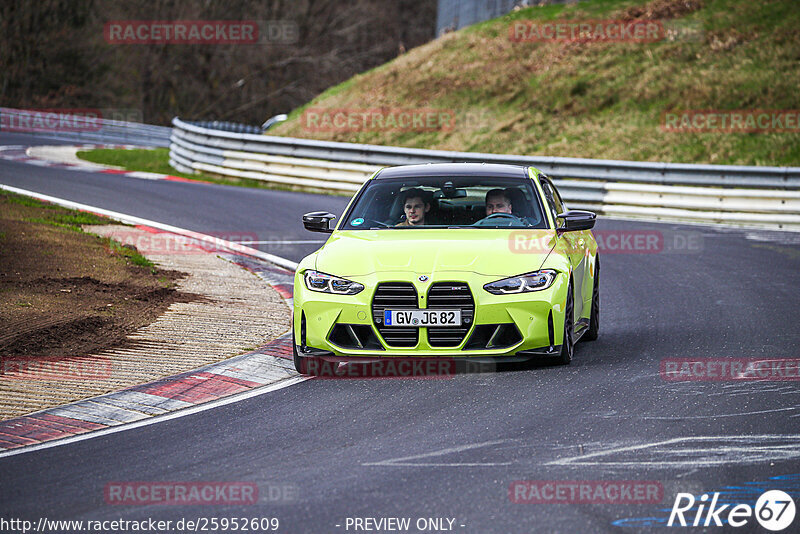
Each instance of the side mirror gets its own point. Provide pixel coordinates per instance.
(318, 221)
(577, 220)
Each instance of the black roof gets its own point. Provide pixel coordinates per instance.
(498, 170)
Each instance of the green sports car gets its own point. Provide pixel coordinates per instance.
(452, 260)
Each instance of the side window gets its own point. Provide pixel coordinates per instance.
(548, 189)
(560, 206)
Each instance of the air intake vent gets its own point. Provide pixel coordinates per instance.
(395, 296)
(493, 336)
(354, 336)
(452, 296)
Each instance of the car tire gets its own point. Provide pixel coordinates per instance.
(298, 360)
(301, 363)
(568, 345)
(594, 317)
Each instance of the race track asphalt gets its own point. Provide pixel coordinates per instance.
(325, 450)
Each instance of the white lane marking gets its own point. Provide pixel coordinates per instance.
(728, 450)
(404, 461)
(753, 391)
(680, 417)
(301, 242)
(159, 418)
(773, 237)
(145, 175)
(715, 228)
(130, 219)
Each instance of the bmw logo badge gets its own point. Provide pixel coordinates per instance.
(423, 278)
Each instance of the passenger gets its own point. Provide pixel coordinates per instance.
(415, 206)
(497, 201)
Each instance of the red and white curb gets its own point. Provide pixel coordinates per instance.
(261, 371)
(23, 154)
(268, 365)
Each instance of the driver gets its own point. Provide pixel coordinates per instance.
(497, 201)
(415, 207)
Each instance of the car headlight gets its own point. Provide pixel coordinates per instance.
(325, 283)
(524, 283)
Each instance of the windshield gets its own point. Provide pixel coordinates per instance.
(446, 202)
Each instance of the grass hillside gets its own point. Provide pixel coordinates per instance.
(592, 99)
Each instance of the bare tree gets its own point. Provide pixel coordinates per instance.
(53, 54)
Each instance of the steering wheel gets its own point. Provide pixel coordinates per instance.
(499, 219)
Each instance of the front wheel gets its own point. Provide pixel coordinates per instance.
(568, 345)
(594, 317)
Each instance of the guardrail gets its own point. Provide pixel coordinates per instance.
(228, 126)
(747, 196)
(73, 127)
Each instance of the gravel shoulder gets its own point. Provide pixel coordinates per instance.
(59, 343)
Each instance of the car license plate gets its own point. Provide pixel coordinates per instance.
(422, 317)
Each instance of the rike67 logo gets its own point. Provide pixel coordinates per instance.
(774, 510)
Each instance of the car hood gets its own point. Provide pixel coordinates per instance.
(501, 252)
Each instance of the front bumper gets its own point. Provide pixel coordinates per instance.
(519, 356)
(537, 316)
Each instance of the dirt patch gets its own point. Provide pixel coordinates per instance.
(662, 9)
(66, 293)
(82, 315)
